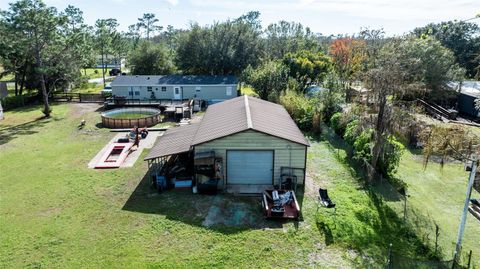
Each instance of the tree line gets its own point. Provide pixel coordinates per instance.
(46, 49)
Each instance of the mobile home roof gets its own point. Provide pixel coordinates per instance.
(147, 80)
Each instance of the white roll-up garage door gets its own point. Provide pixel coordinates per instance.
(250, 167)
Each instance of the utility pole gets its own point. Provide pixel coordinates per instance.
(461, 228)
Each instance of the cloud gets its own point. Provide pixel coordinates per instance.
(172, 2)
(401, 10)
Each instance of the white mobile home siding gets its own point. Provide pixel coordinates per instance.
(286, 153)
(204, 92)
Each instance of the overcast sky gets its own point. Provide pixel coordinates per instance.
(322, 16)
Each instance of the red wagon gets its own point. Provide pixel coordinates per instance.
(280, 204)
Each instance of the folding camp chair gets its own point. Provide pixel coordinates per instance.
(325, 201)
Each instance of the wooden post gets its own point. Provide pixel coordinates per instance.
(469, 259)
(389, 265)
(437, 233)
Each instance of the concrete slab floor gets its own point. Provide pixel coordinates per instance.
(234, 211)
(148, 142)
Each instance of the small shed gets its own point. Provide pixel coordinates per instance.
(469, 92)
(256, 142)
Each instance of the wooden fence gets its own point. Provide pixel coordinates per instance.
(78, 97)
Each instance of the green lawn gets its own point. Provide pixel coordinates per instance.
(88, 73)
(89, 88)
(8, 77)
(57, 213)
(93, 73)
(437, 197)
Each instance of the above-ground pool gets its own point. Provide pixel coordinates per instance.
(131, 117)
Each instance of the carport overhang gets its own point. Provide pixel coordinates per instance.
(175, 141)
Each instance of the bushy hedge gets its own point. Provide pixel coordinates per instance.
(336, 124)
(352, 130)
(362, 139)
(303, 110)
(363, 144)
(391, 157)
(11, 102)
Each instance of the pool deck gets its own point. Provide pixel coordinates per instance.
(137, 102)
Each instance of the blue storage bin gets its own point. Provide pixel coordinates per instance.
(161, 182)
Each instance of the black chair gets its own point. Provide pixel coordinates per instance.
(287, 184)
(324, 200)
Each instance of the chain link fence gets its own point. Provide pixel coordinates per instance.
(430, 232)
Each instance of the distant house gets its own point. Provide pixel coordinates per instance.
(110, 61)
(466, 100)
(175, 87)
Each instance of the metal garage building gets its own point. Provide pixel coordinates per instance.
(257, 141)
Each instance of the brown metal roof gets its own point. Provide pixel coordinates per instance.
(227, 118)
(222, 119)
(273, 119)
(244, 113)
(175, 140)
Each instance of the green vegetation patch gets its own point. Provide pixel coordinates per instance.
(129, 115)
(363, 219)
(55, 212)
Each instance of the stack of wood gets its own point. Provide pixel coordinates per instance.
(474, 208)
(476, 182)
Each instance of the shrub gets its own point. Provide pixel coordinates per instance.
(390, 160)
(351, 132)
(300, 108)
(330, 101)
(11, 102)
(363, 145)
(269, 79)
(84, 84)
(336, 123)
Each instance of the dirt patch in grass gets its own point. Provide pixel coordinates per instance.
(234, 211)
(79, 110)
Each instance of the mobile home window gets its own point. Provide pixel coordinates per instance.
(130, 92)
(149, 88)
(229, 91)
(164, 89)
(137, 93)
(198, 89)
